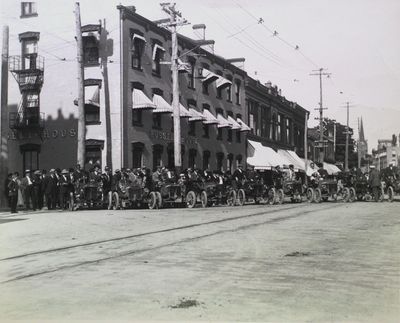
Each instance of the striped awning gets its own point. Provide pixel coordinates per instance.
(209, 118)
(195, 115)
(209, 76)
(184, 113)
(162, 106)
(141, 101)
(235, 125)
(222, 82)
(222, 122)
(244, 126)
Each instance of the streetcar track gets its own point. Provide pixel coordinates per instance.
(186, 240)
(148, 233)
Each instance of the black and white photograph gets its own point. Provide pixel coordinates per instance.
(200, 161)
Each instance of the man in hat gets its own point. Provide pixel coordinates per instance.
(13, 192)
(6, 190)
(64, 185)
(50, 184)
(106, 179)
(375, 182)
(36, 189)
(26, 189)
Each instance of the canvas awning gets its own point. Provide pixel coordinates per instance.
(136, 36)
(183, 112)
(184, 67)
(263, 157)
(141, 101)
(92, 95)
(195, 115)
(292, 158)
(209, 76)
(244, 126)
(155, 49)
(222, 122)
(235, 125)
(331, 169)
(221, 81)
(209, 118)
(162, 106)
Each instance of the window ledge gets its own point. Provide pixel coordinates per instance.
(137, 124)
(92, 123)
(29, 15)
(92, 64)
(139, 69)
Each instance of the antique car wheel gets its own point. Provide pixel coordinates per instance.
(71, 205)
(317, 195)
(152, 201)
(280, 196)
(310, 195)
(203, 199)
(190, 199)
(241, 197)
(231, 199)
(159, 200)
(390, 193)
(352, 195)
(346, 195)
(271, 196)
(115, 201)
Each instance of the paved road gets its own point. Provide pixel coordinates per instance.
(304, 262)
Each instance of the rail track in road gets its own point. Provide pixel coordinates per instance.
(43, 255)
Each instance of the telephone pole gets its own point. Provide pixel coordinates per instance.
(172, 24)
(346, 156)
(81, 90)
(321, 72)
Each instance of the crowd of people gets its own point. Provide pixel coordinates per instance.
(38, 189)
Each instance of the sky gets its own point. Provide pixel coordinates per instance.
(354, 40)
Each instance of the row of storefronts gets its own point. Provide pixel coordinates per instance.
(128, 113)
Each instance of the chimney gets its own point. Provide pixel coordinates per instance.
(200, 26)
(268, 84)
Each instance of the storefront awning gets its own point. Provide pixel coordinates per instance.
(263, 157)
(92, 95)
(184, 67)
(209, 118)
(183, 112)
(209, 76)
(244, 126)
(162, 106)
(195, 115)
(141, 101)
(222, 122)
(222, 82)
(309, 170)
(155, 49)
(292, 158)
(235, 125)
(331, 169)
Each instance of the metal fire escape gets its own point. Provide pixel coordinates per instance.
(28, 71)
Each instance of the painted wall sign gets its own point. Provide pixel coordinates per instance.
(46, 134)
(168, 136)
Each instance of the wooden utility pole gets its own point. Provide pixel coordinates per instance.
(173, 13)
(306, 143)
(320, 73)
(346, 153)
(106, 95)
(4, 110)
(81, 90)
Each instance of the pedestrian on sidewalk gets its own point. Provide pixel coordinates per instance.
(6, 190)
(13, 188)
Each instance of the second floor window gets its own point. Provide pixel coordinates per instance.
(90, 50)
(138, 45)
(192, 128)
(136, 117)
(28, 9)
(157, 120)
(191, 75)
(158, 55)
(206, 131)
(237, 92)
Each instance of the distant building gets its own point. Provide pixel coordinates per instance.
(386, 153)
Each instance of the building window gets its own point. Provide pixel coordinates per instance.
(230, 135)
(137, 154)
(237, 92)
(238, 160)
(238, 136)
(93, 152)
(205, 87)
(229, 89)
(92, 104)
(30, 156)
(191, 75)
(28, 9)
(230, 162)
(219, 134)
(158, 56)
(157, 156)
(157, 121)
(288, 139)
(192, 128)
(138, 45)
(220, 161)
(137, 117)
(90, 50)
(206, 131)
(274, 127)
(206, 160)
(192, 158)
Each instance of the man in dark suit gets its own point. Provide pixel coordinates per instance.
(50, 189)
(375, 182)
(6, 190)
(13, 192)
(64, 185)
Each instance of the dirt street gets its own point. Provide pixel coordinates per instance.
(294, 262)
